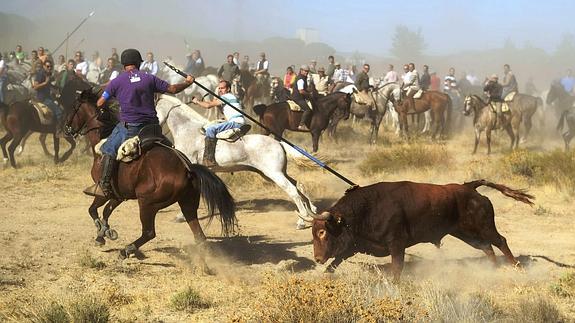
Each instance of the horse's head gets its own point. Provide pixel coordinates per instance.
(84, 111)
(472, 103)
(556, 90)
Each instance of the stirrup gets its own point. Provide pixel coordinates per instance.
(94, 190)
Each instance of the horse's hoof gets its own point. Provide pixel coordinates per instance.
(100, 241)
(19, 150)
(111, 234)
(329, 270)
(123, 254)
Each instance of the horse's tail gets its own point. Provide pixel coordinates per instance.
(260, 109)
(562, 120)
(216, 195)
(518, 195)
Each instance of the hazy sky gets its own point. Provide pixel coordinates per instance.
(448, 26)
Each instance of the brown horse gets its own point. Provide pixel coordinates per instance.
(527, 105)
(278, 116)
(568, 116)
(254, 90)
(159, 178)
(439, 103)
(485, 119)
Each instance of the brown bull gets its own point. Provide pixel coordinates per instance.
(386, 218)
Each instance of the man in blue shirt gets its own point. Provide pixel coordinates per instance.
(568, 82)
(42, 83)
(134, 91)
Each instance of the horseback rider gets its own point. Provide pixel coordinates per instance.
(425, 80)
(300, 94)
(362, 85)
(134, 90)
(568, 82)
(509, 83)
(321, 85)
(110, 73)
(450, 83)
(234, 120)
(411, 82)
(42, 84)
(3, 68)
(229, 70)
(494, 91)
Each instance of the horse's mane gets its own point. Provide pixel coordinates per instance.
(477, 97)
(188, 113)
(88, 96)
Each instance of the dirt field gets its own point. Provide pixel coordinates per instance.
(48, 255)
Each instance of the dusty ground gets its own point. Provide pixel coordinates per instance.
(46, 237)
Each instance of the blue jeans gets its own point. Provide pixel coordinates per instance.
(212, 131)
(121, 133)
(56, 111)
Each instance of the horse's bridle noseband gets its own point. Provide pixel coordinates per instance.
(69, 131)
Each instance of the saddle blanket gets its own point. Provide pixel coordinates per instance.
(418, 94)
(509, 97)
(504, 107)
(128, 151)
(44, 113)
(295, 107)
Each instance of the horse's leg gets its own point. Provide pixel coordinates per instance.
(315, 133)
(42, 138)
(56, 147)
(511, 134)
(3, 141)
(93, 211)
(288, 184)
(20, 147)
(488, 138)
(189, 205)
(68, 153)
(528, 125)
(403, 124)
(567, 138)
(147, 219)
(477, 137)
(106, 230)
(12, 147)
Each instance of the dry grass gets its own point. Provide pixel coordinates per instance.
(406, 156)
(188, 300)
(555, 168)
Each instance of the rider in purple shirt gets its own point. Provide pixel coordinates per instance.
(135, 91)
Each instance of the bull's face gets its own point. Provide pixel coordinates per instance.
(331, 237)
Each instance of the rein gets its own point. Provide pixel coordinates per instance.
(81, 131)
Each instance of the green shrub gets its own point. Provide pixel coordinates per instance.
(188, 300)
(89, 309)
(51, 313)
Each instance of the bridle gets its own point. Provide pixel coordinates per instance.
(82, 131)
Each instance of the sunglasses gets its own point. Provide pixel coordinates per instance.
(48, 66)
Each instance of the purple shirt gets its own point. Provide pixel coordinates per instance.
(135, 90)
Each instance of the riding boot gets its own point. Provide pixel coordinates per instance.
(305, 120)
(108, 167)
(210, 152)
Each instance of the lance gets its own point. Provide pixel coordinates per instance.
(299, 149)
(73, 31)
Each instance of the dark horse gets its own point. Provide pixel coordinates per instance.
(278, 117)
(438, 102)
(559, 98)
(20, 118)
(568, 116)
(157, 179)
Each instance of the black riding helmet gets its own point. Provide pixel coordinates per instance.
(131, 57)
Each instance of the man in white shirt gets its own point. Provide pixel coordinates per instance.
(81, 65)
(149, 66)
(234, 119)
(391, 76)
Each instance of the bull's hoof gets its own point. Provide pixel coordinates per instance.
(100, 241)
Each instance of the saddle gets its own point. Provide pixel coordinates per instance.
(293, 106)
(44, 113)
(418, 94)
(230, 135)
(133, 148)
(510, 96)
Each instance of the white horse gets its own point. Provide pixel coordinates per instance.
(261, 154)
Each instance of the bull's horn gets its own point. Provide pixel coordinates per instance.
(323, 216)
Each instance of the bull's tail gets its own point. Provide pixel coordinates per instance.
(216, 196)
(518, 195)
(260, 109)
(562, 120)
